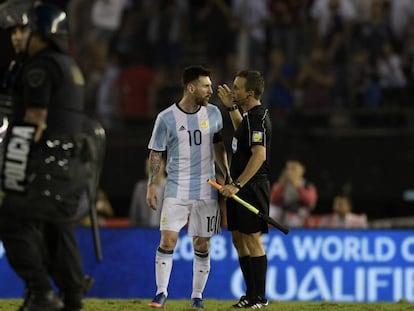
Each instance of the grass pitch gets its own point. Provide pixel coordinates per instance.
(212, 305)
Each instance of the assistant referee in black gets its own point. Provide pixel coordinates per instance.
(249, 172)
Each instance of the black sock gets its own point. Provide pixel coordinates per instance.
(259, 270)
(163, 251)
(246, 268)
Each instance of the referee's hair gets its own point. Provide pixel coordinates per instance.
(192, 73)
(254, 81)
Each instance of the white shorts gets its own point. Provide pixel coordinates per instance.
(203, 216)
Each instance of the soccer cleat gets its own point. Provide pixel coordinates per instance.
(263, 301)
(197, 303)
(255, 306)
(158, 301)
(259, 303)
(242, 303)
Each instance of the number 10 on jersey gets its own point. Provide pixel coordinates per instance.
(194, 138)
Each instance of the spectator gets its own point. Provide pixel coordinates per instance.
(392, 78)
(167, 30)
(134, 25)
(316, 80)
(292, 196)
(105, 93)
(106, 16)
(251, 18)
(97, 59)
(407, 61)
(79, 13)
(362, 10)
(280, 80)
(287, 18)
(335, 42)
(321, 12)
(219, 34)
(363, 80)
(139, 213)
(373, 33)
(342, 217)
(399, 13)
(135, 91)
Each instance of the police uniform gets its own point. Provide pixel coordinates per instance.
(43, 181)
(255, 129)
(9, 82)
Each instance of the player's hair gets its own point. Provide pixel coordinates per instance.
(192, 73)
(254, 81)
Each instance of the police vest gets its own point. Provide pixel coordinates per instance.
(66, 108)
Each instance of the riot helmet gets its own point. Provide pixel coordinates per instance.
(13, 13)
(51, 23)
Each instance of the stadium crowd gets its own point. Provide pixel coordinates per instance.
(317, 53)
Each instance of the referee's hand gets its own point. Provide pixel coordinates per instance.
(228, 190)
(152, 198)
(224, 93)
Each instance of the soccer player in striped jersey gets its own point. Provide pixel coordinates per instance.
(190, 132)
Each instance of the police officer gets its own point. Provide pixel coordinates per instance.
(250, 173)
(46, 167)
(15, 23)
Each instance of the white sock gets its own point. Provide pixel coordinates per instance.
(163, 266)
(201, 270)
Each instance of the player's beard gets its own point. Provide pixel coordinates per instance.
(202, 101)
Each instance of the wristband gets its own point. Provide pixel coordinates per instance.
(236, 184)
(232, 108)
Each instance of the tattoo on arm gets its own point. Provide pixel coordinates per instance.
(154, 166)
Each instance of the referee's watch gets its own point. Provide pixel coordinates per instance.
(236, 184)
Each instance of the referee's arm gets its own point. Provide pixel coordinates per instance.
(255, 162)
(235, 116)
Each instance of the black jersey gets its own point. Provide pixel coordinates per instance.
(255, 129)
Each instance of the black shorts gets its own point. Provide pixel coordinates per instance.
(242, 219)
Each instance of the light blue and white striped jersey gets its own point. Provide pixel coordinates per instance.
(188, 139)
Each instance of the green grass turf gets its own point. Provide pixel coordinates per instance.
(142, 304)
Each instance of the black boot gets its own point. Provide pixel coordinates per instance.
(88, 282)
(41, 301)
(73, 300)
(87, 285)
